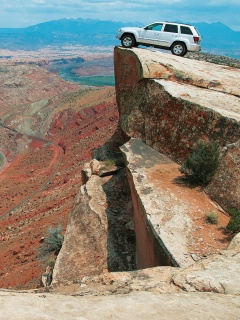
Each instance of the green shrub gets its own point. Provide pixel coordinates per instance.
(51, 263)
(211, 218)
(119, 162)
(52, 243)
(234, 223)
(202, 163)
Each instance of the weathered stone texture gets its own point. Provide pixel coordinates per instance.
(135, 306)
(84, 251)
(218, 273)
(225, 188)
(165, 212)
(159, 113)
(155, 245)
(134, 64)
(99, 236)
(171, 103)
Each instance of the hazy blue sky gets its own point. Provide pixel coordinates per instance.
(22, 13)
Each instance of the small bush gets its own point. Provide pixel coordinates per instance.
(202, 163)
(234, 223)
(51, 263)
(211, 218)
(52, 243)
(119, 162)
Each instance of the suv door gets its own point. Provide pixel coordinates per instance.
(169, 34)
(151, 34)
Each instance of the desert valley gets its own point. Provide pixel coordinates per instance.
(90, 142)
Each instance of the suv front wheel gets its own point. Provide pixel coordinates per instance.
(128, 41)
(178, 49)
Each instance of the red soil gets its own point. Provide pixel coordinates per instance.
(204, 238)
(78, 133)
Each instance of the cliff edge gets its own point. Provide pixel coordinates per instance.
(171, 103)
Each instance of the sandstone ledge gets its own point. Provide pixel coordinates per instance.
(132, 65)
(171, 103)
(165, 212)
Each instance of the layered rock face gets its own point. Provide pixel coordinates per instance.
(171, 103)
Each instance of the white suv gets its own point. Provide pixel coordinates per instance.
(177, 37)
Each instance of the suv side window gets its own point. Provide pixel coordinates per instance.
(155, 27)
(185, 30)
(171, 28)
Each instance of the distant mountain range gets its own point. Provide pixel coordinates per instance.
(217, 37)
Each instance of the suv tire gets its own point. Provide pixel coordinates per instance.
(178, 49)
(128, 41)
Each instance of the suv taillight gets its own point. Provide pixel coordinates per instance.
(196, 39)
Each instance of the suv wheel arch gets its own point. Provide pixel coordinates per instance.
(128, 40)
(179, 48)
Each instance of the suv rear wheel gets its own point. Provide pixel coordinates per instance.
(178, 49)
(128, 41)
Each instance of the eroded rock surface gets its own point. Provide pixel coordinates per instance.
(225, 186)
(136, 305)
(218, 273)
(171, 103)
(165, 211)
(99, 237)
(132, 65)
(85, 246)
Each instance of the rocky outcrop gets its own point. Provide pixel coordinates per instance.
(171, 116)
(85, 247)
(218, 273)
(161, 231)
(169, 217)
(225, 186)
(99, 237)
(171, 103)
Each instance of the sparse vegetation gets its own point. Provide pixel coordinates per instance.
(202, 163)
(213, 58)
(211, 218)
(52, 243)
(51, 263)
(119, 162)
(1, 160)
(234, 223)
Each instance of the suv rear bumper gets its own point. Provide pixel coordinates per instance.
(194, 47)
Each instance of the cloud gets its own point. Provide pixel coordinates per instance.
(23, 13)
